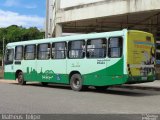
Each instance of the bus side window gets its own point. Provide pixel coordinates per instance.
(59, 50)
(96, 48)
(30, 52)
(43, 51)
(19, 53)
(115, 45)
(76, 49)
(9, 56)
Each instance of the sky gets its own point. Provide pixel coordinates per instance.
(29, 13)
(26, 13)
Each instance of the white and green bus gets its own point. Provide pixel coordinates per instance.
(97, 59)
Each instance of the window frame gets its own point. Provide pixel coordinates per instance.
(65, 51)
(121, 48)
(106, 48)
(35, 51)
(43, 51)
(19, 52)
(77, 49)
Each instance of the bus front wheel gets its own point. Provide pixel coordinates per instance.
(21, 78)
(76, 82)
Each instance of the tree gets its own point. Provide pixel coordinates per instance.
(16, 33)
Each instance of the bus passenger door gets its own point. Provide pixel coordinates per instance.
(9, 64)
(29, 63)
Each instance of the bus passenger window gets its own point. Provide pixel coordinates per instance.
(43, 51)
(19, 53)
(115, 47)
(76, 49)
(30, 51)
(9, 56)
(96, 48)
(59, 50)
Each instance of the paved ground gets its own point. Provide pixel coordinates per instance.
(34, 98)
(156, 83)
(144, 86)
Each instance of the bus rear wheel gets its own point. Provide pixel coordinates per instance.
(76, 82)
(21, 78)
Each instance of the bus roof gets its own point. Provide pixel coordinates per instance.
(74, 37)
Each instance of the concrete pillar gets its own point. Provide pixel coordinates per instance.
(58, 30)
(57, 4)
(58, 27)
(47, 18)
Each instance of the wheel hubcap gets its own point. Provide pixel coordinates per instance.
(76, 83)
(20, 78)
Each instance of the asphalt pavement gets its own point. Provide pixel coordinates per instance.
(144, 86)
(60, 99)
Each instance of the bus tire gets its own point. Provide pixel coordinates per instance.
(44, 83)
(101, 87)
(76, 82)
(21, 80)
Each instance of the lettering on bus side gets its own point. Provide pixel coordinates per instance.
(101, 61)
(75, 64)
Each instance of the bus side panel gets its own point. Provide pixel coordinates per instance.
(9, 74)
(28, 67)
(52, 71)
(111, 75)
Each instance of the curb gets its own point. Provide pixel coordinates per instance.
(139, 87)
(7, 81)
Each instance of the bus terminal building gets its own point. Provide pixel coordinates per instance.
(81, 16)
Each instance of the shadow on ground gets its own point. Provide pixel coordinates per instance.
(111, 90)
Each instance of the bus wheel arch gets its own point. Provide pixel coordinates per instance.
(20, 77)
(17, 72)
(73, 72)
(76, 81)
